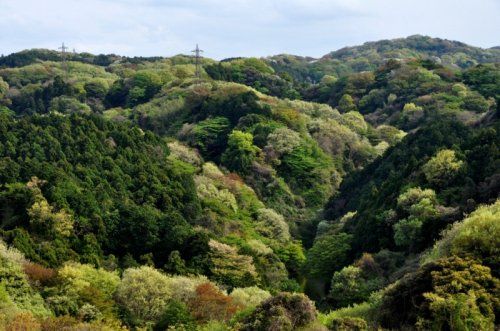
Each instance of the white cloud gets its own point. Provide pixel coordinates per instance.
(238, 27)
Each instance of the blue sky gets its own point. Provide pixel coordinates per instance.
(227, 28)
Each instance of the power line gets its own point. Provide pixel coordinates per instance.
(197, 53)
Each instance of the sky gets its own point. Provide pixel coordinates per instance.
(230, 28)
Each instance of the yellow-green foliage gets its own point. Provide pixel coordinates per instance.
(118, 114)
(390, 134)
(39, 72)
(208, 191)
(183, 288)
(411, 107)
(16, 294)
(144, 293)
(230, 267)
(82, 276)
(283, 140)
(443, 167)
(68, 105)
(249, 296)
(355, 121)
(478, 236)
(43, 216)
(213, 185)
(465, 297)
(272, 224)
(366, 311)
(259, 248)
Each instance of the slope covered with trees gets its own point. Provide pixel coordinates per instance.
(357, 191)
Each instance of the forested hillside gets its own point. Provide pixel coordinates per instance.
(359, 191)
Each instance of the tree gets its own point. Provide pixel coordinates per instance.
(94, 287)
(350, 285)
(478, 236)
(144, 294)
(465, 297)
(145, 84)
(240, 152)
(283, 140)
(43, 218)
(328, 254)
(211, 304)
(96, 88)
(17, 292)
(209, 136)
(273, 224)
(346, 104)
(4, 88)
(231, 268)
(442, 168)
(450, 293)
(249, 296)
(285, 311)
(176, 314)
(420, 207)
(68, 105)
(407, 231)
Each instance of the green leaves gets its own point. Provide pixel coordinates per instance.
(240, 152)
(442, 168)
(328, 254)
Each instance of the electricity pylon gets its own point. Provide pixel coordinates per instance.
(63, 49)
(197, 53)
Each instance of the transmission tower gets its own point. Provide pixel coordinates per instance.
(197, 53)
(63, 49)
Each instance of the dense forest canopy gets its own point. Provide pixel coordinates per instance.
(356, 191)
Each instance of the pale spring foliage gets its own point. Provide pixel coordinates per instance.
(184, 153)
(273, 224)
(283, 140)
(249, 296)
(81, 276)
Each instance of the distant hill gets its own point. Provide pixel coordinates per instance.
(370, 55)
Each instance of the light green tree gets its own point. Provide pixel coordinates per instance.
(249, 296)
(346, 104)
(273, 224)
(143, 293)
(230, 267)
(240, 152)
(442, 168)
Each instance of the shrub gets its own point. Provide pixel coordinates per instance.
(23, 321)
(285, 311)
(348, 324)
